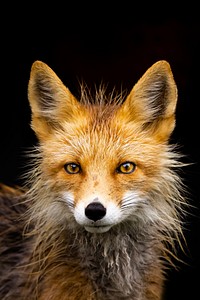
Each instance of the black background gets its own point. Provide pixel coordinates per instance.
(113, 44)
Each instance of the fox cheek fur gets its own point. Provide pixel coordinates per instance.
(101, 137)
(104, 206)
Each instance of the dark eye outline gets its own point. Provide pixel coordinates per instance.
(131, 164)
(72, 165)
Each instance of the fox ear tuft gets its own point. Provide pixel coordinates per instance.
(152, 101)
(50, 100)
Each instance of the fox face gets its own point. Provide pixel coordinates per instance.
(104, 163)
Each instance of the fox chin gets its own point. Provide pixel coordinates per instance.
(102, 210)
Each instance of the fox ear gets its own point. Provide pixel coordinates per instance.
(152, 101)
(50, 100)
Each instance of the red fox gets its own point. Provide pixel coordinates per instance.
(103, 206)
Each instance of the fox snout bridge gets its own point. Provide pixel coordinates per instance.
(95, 211)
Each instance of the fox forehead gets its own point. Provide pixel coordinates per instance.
(98, 140)
(137, 128)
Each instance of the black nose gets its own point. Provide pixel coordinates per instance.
(95, 211)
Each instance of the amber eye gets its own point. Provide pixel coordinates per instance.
(126, 168)
(72, 168)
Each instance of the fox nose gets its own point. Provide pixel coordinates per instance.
(95, 211)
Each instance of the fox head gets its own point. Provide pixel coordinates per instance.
(104, 163)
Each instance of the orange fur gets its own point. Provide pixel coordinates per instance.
(104, 201)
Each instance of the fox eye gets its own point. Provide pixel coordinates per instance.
(126, 168)
(72, 168)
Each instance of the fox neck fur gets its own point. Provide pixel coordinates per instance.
(104, 204)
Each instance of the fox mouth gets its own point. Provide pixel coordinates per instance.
(97, 228)
(96, 217)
